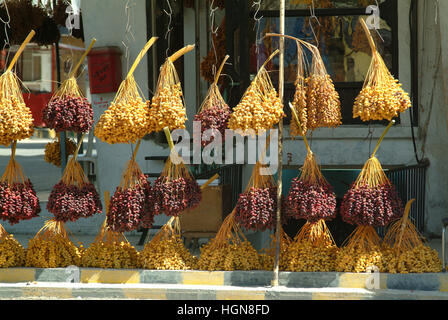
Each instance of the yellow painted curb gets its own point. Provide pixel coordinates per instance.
(363, 280)
(334, 296)
(215, 278)
(353, 280)
(17, 274)
(110, 276)
(154, 294)
(443, 280)
(383, 281)
(240, 295)
(59, 293)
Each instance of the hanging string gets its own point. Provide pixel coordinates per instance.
(370, 137)
(70, 32)
(257, 4)
(169, 27)
(6, 26)
(436, 7)
(132, 150)
(214, 32)
(313, 16)
(128, 37)
(376, 30)
(228, 75)
(72, 56)
(232, 83)
(128, 32)
(81, 73)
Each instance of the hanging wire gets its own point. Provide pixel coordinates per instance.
(214, 32)
(376, 30)
(6, 26)
(313, 16)
(81, 73)
(228, 75)
(128, 35)
(232, 83)
(169, 27)
(132, 149)
(70, 32)
(436, 7)
(370, 137)
(257, 4)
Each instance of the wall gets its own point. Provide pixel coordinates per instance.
(433, 36)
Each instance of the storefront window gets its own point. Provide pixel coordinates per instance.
(343, 44)
(336, 31)
(323, 4)
(159, 22)
(34, 69)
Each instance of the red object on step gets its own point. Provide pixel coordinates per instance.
(36, 102)
(104, 69)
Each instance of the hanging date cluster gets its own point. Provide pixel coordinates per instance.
(214, 112)
(256, 208)
(311, 197)
(73, 197)
(174, 196)
(366, 206)
(18, 201)
(214, 117)
(69, 113)
(372, 200)
(130, 208)
(71, 202)
(310, 201)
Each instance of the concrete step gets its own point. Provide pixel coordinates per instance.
(428, 282)
(46, 291)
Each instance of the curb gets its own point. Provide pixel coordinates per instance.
(432, 282)
(49, 290)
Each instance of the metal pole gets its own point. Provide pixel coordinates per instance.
(154, 55)
(197, 29)
(443, 248)
(58, 75)
(280, 143)
(62, 133)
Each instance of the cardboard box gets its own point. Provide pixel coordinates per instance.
(207, 218)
